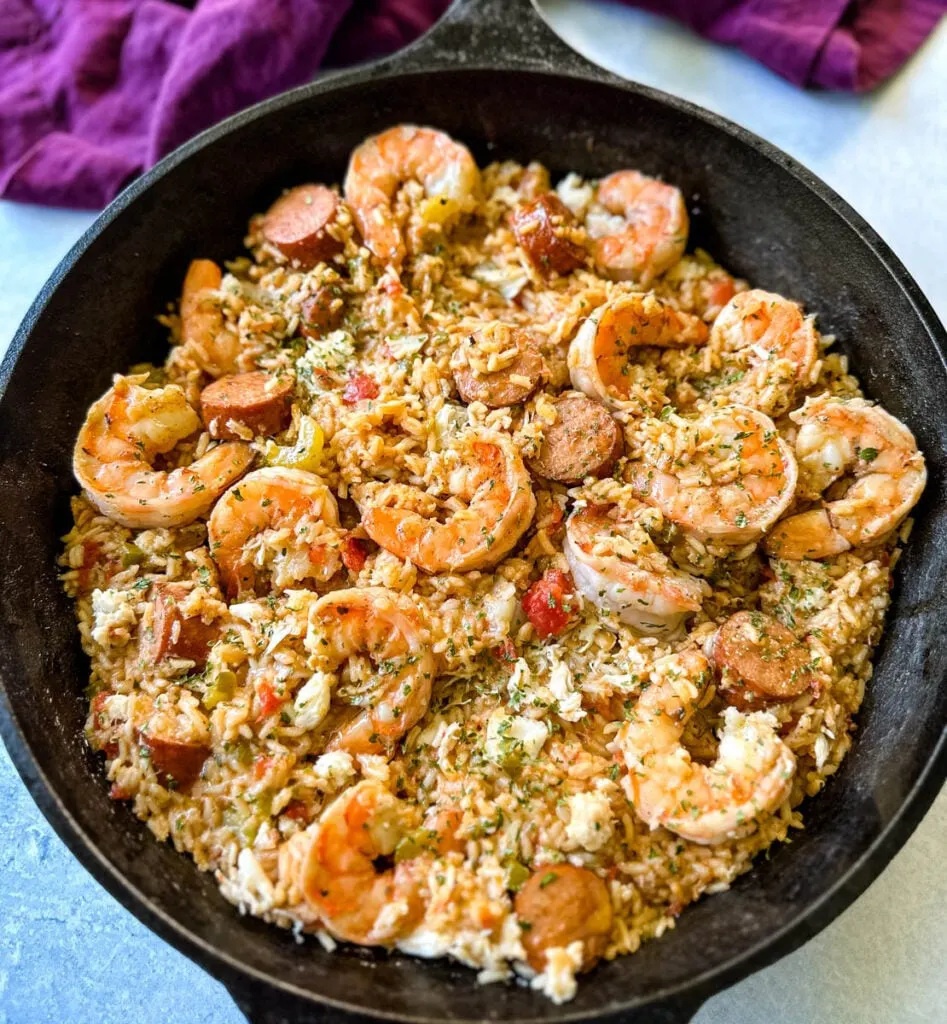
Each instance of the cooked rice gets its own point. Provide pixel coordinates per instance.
(252, 813)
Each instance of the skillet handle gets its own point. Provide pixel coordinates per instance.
(508, 33)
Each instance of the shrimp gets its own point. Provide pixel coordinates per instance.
(296, 503)
(604, 345)
(840, 440)
(489, 475)
(203, 331)
(706, 804)
(355, 900)
(727, 476)
(122, 434)
(383, 163)
(618, 567)
(777, 348)
(646, 232)
(387, 627)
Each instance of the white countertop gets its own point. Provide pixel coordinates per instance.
(70, 952)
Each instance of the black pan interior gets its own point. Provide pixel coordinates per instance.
(757, 219)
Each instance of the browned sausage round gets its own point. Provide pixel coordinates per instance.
(561, 904)
(584, 441)
(321, 313)
(175, 636)
(760, 661)
(257, 400)
(177, 752)
(509, 386)
(542, 230)
(177, 764)
(296, 224)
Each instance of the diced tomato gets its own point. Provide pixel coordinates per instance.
(720, 291)
(317, 553)
(485, 915)
(90, 555)
(111, 750)
(505, 652)
(296, 810)
(118, 792)
(392, 287)
(550, 603)
(556, 519)
(270, 700)
(261, 766)
(354, 553)
(358, 388)
(98, 701)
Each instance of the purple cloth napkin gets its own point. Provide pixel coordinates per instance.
(94, 91)
(831, 44)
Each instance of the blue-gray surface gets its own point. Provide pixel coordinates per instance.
(70, 953)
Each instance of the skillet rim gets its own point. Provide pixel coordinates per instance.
(222, 965)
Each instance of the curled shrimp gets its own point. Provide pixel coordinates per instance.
(726, 476)
(617, 566)
(122, 434)
(775, 345)
(301, 513)
(707, 804)
(604, 346)
(853, 440)
(387, 627)
(385, 162)
(203, 331)
(644, 229)
(355, 900)
(488, 474)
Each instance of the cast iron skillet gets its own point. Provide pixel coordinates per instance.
(492, 75)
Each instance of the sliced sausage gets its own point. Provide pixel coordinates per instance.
(177, 636)
(760, 661)
(321, 313)
(177, 748)
(177, 764)
(561, 904)
(509, 386)
(584, 441)
(542, 231)
(296, 224)
(257, 400)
